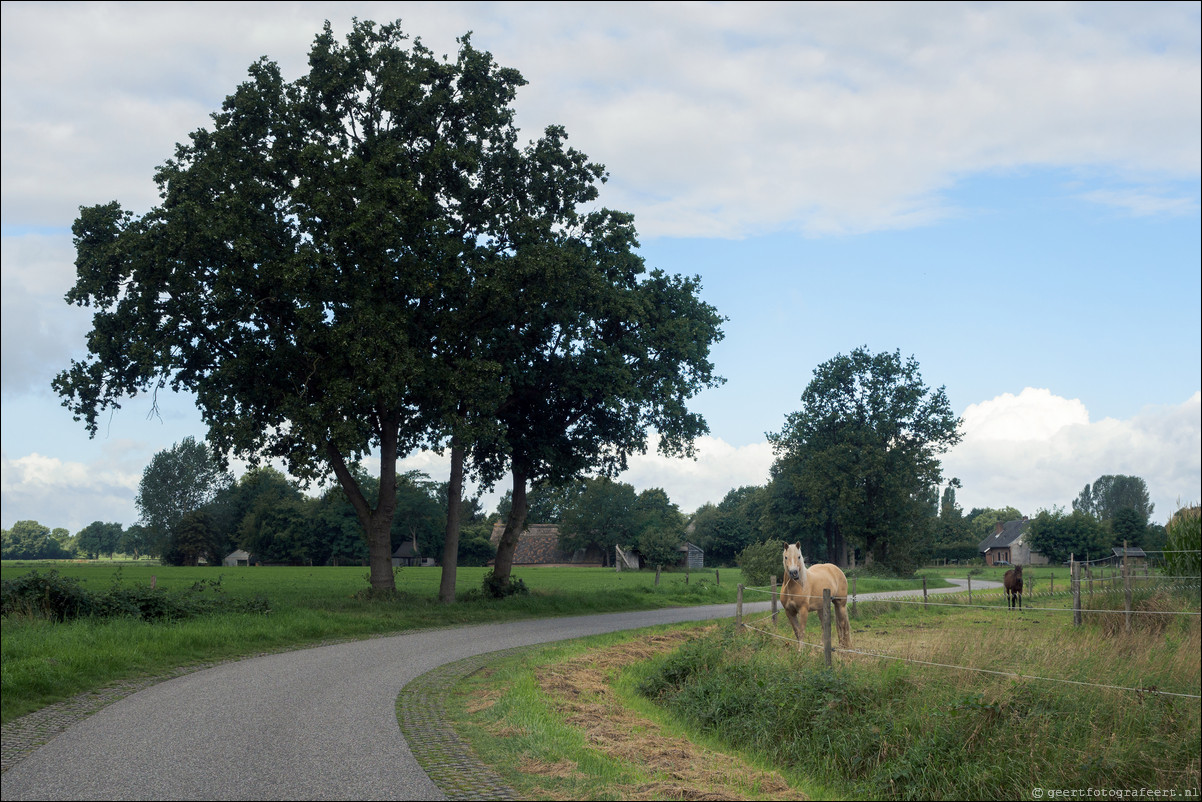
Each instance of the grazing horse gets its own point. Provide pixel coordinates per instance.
(1013, 582)
(802, 592)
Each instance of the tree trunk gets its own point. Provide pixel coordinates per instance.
(450, 543)
(513, 528)
(377, 523)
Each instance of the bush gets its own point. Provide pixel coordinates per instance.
(1183, 542)
(761, 561)
(60, 598)
(496, 588)
(52, 596)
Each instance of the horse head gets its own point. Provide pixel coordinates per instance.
(795, 564)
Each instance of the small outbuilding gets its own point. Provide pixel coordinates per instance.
(1135, 556)
(237, 557)
(409, 555)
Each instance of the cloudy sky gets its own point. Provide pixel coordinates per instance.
(1007, 192)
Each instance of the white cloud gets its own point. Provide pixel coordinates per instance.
(715, 120)
(718, 469)
(1037, 451)
(67, 494)
(1143, 203)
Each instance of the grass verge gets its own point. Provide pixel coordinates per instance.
(873, 727)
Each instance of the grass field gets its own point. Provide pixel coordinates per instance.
(42, 662)
(971, 703)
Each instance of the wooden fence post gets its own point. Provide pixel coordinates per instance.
(1126, 592)
(717, 579)
(657, 575)
(924, 593)
(1075, 583)
(826, 625)
(970, 589)
(1052, 585)
(739, 606)
(774, 599)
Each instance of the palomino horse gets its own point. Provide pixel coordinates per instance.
(802, 592)
(1013, 582)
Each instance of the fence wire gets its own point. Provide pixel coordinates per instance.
(1011, 674)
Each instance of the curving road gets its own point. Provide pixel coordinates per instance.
(313, 724)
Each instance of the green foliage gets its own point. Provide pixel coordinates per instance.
(51, 596)
(476, 551)
(660, 546)
(724, 530)
(864, 454)
(1109, 494)
(178, 481)
(1128, 525)
(61, 598)
(30, 540)
(602, 515)
(882, 731)
(500, 587)
(1058, 535)
(1183, 545)
(761, 561)
(99, 538)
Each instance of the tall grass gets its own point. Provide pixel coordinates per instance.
(880, 728)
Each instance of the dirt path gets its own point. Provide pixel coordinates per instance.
(680, 769)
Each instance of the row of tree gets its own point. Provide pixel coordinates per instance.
(270, 516)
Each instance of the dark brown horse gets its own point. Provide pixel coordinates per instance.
(1013, 582)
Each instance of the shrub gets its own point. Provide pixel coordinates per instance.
(496, 588)
(53, 596)
(761, 561)
(60, 598)
(1183, 542)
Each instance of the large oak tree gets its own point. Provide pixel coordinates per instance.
(319, 271)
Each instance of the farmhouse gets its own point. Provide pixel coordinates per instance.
(538, 544)
(1008, 544)
(408, 554)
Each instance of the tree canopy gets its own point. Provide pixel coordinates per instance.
(364, 260)
(178, 481)
(864, 453)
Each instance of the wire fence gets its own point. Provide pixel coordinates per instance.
(994, 672)
(1073, 595)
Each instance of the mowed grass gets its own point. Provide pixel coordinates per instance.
(43, 662)
(970, 703)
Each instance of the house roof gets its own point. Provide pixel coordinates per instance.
(537, 544)
(1132, 551)
(407, 549)
(1006, 536)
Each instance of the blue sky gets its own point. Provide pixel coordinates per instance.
(1009, 193)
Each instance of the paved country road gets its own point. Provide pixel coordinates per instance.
(311, 724)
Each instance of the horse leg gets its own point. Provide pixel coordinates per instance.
(798, 631)
(800, 619)
(844, 624)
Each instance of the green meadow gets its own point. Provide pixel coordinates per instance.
(943, 702)
(45, 661)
